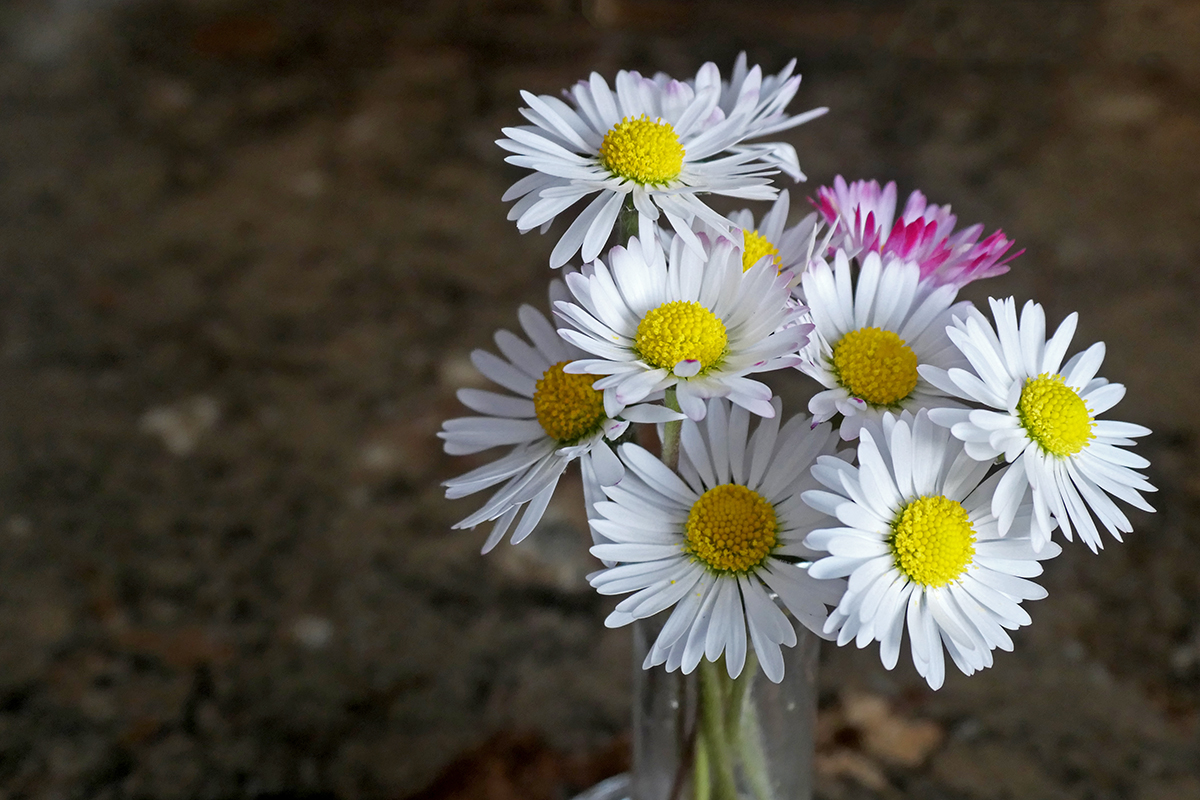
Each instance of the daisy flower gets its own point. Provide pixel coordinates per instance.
(548, 417)
(716, 543)
(656, 143)
(1041, 416)
(872, 333)
(698, 325)
(924, 233)
(921, 549)
(771, 96)
(788, 248)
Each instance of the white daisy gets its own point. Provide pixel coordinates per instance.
(872, 333)
(658, 143)
(699, 326)
(549, 418)
(771, 95)
(1042, 418)
(920, 545)
(787, 248)
(718, 542)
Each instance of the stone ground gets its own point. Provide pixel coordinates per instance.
(245, 250)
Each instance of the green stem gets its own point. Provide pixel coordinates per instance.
(670, 444)
(745, 733)
(737, 694)
(701, 777)
(687, 733)
(627, 222)
(694, 749)
(754, 762)
(712, 703)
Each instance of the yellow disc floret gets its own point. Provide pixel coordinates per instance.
(642, 150)
(567, 406)
(875, 365)
(933, 541)
(1054, 415)
(681, 330)
(757, 246)
(731, 529)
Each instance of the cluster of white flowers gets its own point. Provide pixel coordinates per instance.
(943, 449)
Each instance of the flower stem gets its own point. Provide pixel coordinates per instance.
(671, 431)
(717, 741)
(701, 776)
(737, 694)
(753, 752)
(627, 222)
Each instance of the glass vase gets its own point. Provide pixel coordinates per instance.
(706, 736)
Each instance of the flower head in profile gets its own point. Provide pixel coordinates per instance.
(656, 142)
(699, 325)
(873, 331)
(548, 418)
(863, 212)
(922, 551)
(716, 544)
(1040, 415)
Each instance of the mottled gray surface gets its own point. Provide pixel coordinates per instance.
(245, 250)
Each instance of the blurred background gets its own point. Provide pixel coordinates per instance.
(246, 250)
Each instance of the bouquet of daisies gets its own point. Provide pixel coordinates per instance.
(941, 452)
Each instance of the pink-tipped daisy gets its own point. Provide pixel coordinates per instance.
(863, 212)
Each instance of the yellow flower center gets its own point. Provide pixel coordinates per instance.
(757, 246)
(567, 406)
(642, 150)
(933, 541)
(731, 529)
(679, 330)
(875, 365)
(1054, 415)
